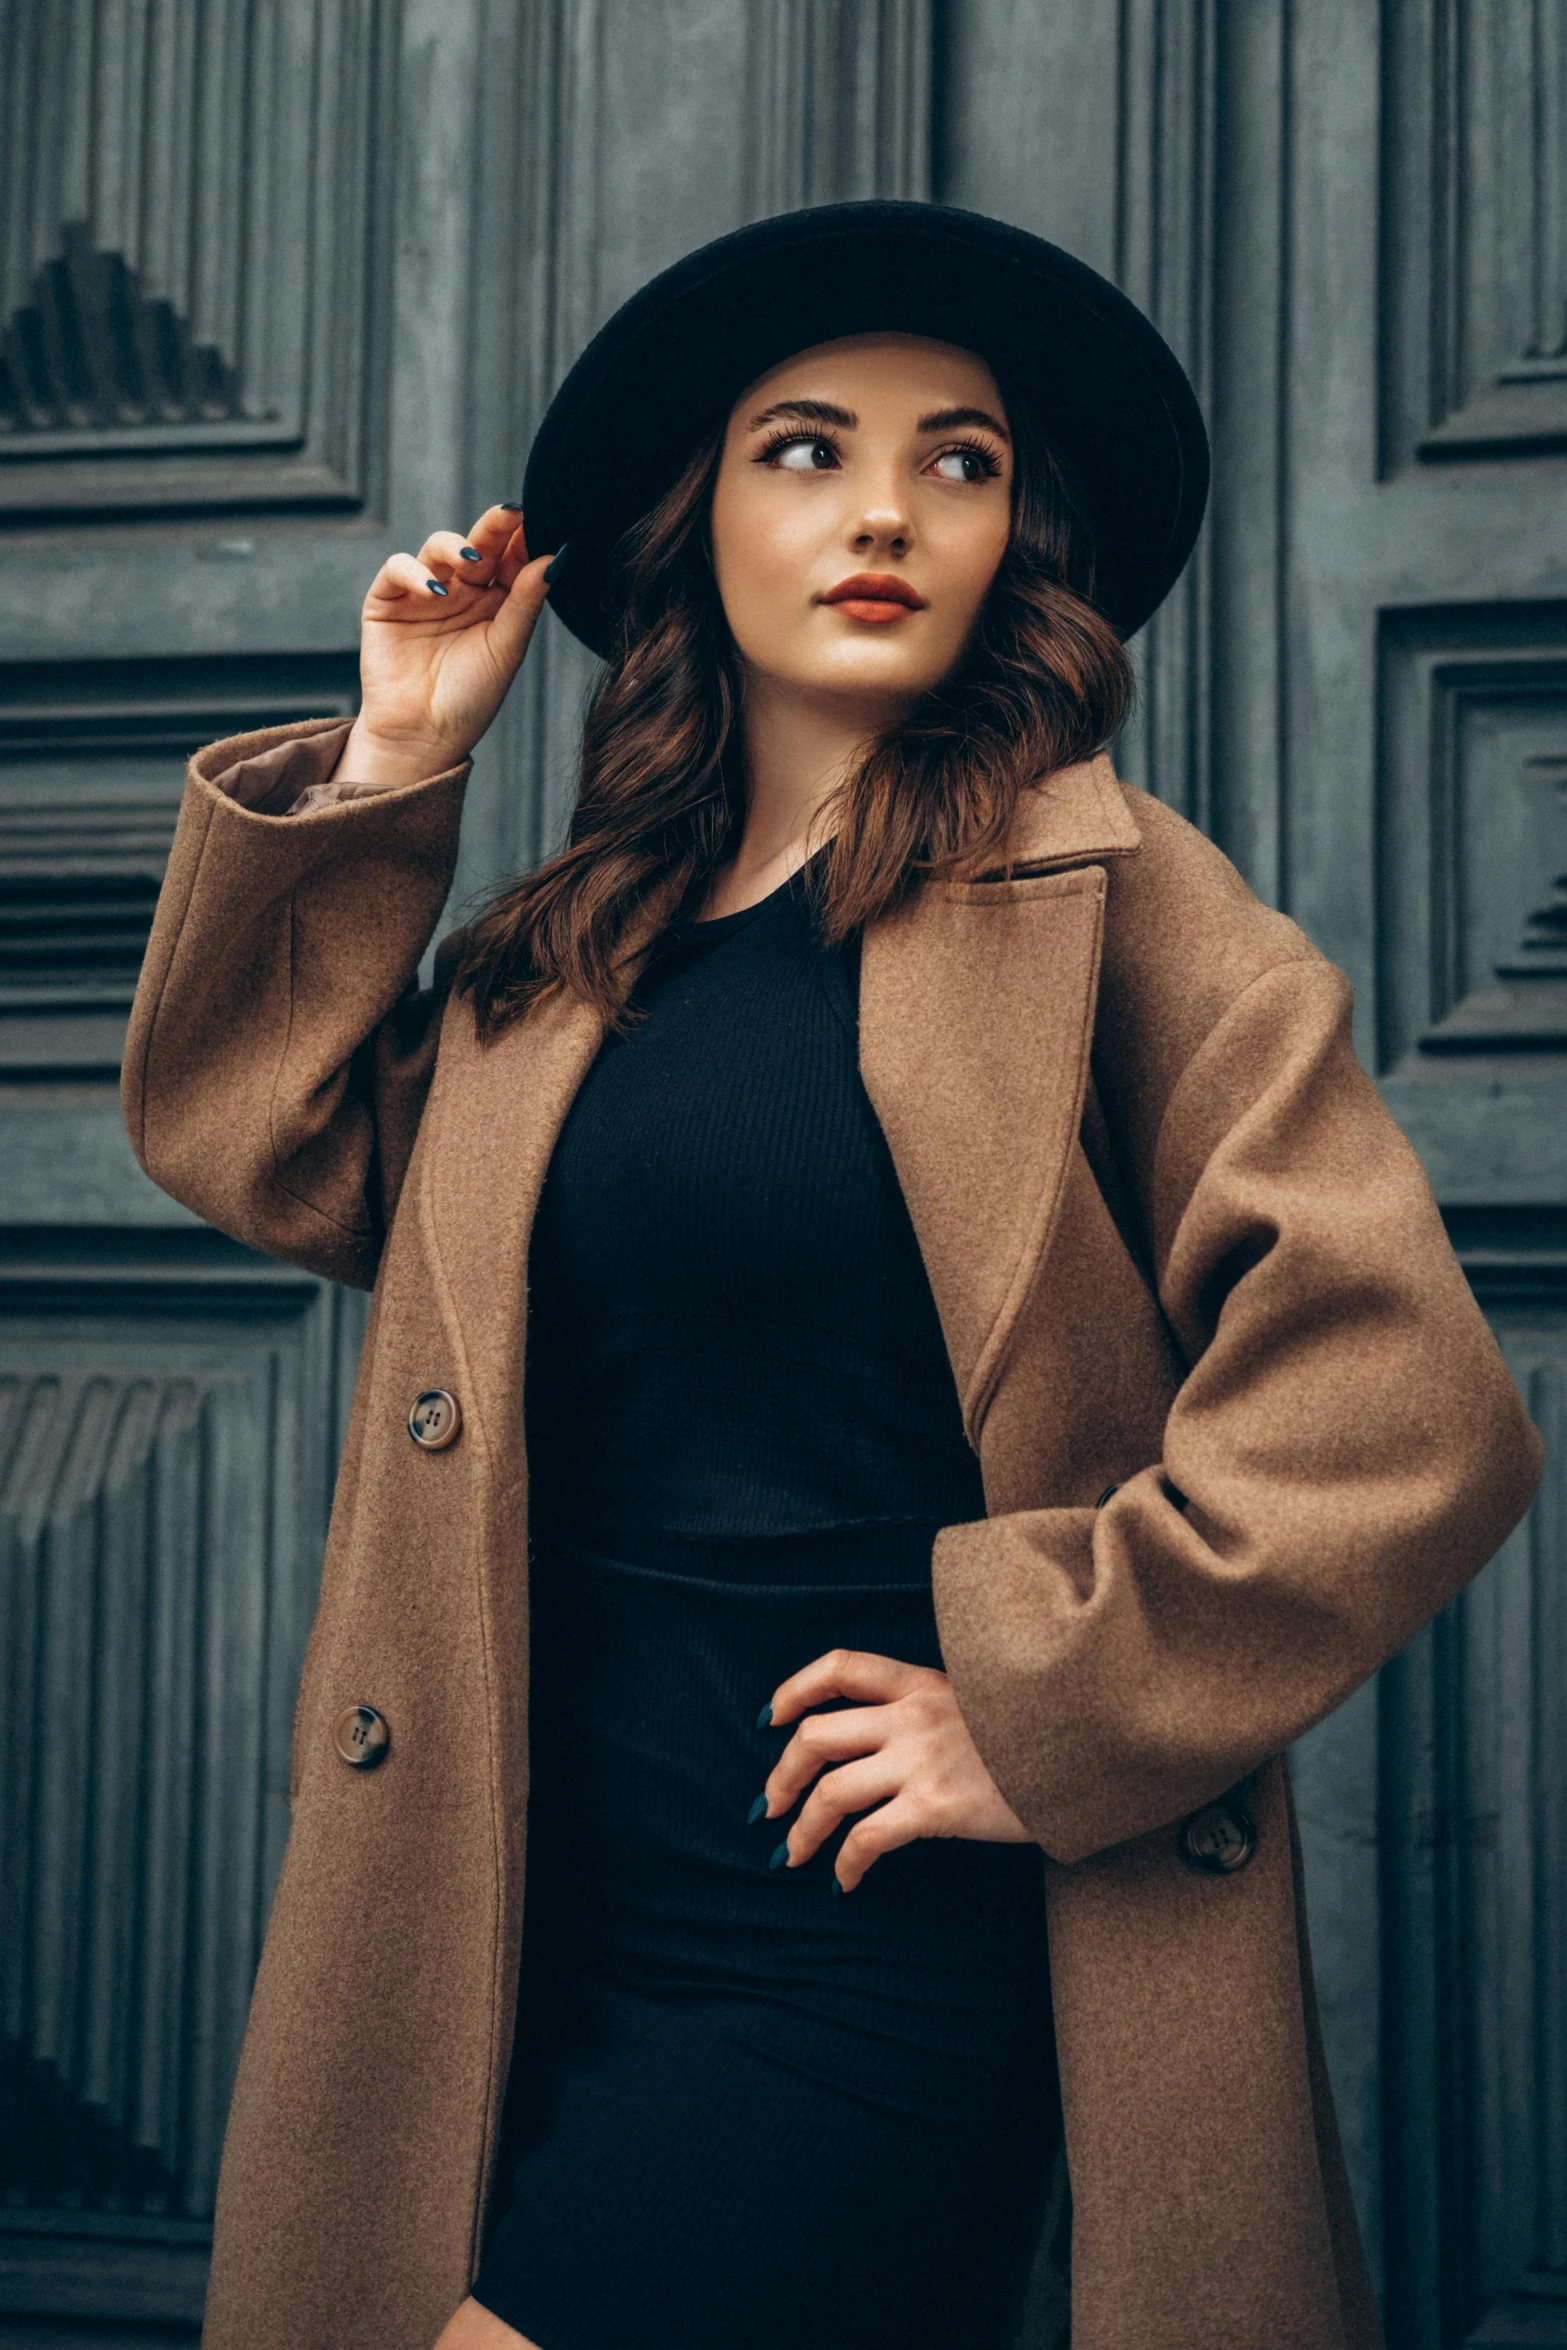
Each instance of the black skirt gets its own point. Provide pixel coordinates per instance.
(745, 2108)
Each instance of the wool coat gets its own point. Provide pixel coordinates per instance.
(1178, 1247)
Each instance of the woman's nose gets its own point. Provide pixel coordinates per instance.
(883, 525)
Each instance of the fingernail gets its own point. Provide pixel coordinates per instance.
(436, 588)
(508, 508)
(757, 1809)
(765, 1716)
(554, 564)
(780, 1855)
(470, 554)
(838, 1885)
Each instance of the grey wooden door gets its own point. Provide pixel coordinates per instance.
(287, 282)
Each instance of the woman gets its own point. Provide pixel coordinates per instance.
(978, 1314)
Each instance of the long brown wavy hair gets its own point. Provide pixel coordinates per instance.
(1044, 681)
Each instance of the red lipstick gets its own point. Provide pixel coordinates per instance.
(874, 596)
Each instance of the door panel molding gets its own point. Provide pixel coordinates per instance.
(1472, 833)
(1474, 230)
(838, 103)
(171, 1412)
(1473, 1855)
(193, 289)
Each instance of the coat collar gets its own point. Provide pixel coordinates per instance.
(958, 989)
(1072, 817)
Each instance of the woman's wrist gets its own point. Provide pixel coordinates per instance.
(368, 757)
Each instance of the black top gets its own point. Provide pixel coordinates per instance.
(743, 1433)
(731, 1330)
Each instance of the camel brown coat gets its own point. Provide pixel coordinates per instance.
(1177, 1245)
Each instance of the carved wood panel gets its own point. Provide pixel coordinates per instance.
(191, 261)
(170, 1417)
(838, 102)
(1472, 934)
(1473, 1848)
(1475, 229)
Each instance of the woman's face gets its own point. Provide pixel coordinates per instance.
(860, 510)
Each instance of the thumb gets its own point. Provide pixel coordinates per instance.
(517, 618)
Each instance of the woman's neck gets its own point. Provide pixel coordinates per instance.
(798, 749)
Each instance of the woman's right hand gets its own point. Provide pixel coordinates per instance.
(434, 667)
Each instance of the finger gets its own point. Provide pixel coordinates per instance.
(821, 1739)
(843, 1672)
(494, 529)
(855, 1786)
(518, 616)
(402, 581)
(514, 560)
(448, 554)
(895, 1823)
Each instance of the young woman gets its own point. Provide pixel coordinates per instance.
(994, 1375)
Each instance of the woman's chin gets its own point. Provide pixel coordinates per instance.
(867, 672)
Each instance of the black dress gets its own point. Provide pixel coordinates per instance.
(745, 2108)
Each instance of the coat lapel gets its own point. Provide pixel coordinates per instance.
(976, 1017)
(495, 1113)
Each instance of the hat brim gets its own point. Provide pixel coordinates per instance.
(666, 369)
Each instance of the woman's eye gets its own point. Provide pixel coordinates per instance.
(806, 456)
(963, 465)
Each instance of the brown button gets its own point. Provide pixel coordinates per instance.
(435, 1419)
(1219, 1839)
(361, 1736)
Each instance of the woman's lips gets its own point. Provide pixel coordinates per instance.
(874, 596)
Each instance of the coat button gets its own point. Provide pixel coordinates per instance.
(435, 1419)
(1219, 1839)
(361, 1736)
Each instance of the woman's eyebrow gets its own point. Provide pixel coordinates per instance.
(809, 411)
(945, 419)
(828, 412)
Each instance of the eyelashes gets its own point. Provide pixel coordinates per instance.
(786, 437)
(984, 456)
(783, 438)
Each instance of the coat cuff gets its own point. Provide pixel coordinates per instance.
(292, 775)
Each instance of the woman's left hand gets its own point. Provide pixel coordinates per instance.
(913, 1760)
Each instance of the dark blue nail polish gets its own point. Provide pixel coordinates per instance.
(508, 508)
(554, 564)
(780, 1855)
(765, 1716)
(757, 1810)
(436, 588)
(838, 1885)
(470, 554)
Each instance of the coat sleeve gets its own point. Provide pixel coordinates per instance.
(280, 1046)
(1345, 1449)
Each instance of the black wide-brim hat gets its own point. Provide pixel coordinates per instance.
(667, 368)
